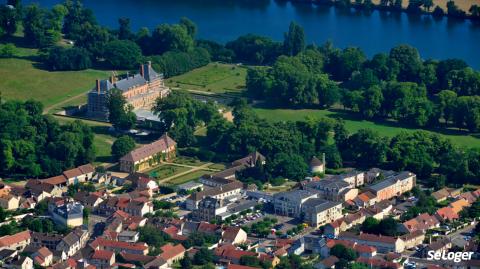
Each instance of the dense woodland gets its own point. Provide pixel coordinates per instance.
(36, 145)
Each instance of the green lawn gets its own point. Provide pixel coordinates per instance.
(214, 78)
(388, 129)
(167, 170)
(188, 177)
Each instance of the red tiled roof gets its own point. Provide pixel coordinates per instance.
(206, 227)
(373, 262)
(102, 255)
(136, 257)
(330, 261)
(447, 213)
(421, 222)
(118, 244)
(9, 240)
(170, 251)
(44, 252)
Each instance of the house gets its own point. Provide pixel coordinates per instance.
(16, 241)
(140, 90)
(229, 191)
(459, 205)
(58, 181)
(117, 246)
(446, 214)
(236, 266)
(128, 236)
(9, 202)
(317, 166)
(441, 195)
(172, 253)
(88, 200)
(69, 214)
(443, 244)
(43, 257)
(422, 222)
(133, 207)
(384, 244)
(327, 263)
(157, 263)
(290, 203)
(190, 186)
(148, 155)
(335, 227)
(365, 199)
(136, 258)
(49, 241)
(318, 212)
(362, 250)
(102, 259)
(234, 236)
(73, 242)
(19, 262)
(393, 186)
(413, 239)
(230, 254)
(40, 189)
(79, 174)
(208, 209)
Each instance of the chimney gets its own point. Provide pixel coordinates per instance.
(113, 79)
(98, 85)
(142, 70)
(128, 75)
(149, 63)
(323, 158)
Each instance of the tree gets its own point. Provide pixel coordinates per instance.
(370, 225)
(475, 11)
(294, 41)
(255, 49)
(446, 104)
(122, 146)
(410, 63)
(372, 102)
(327, 91)
(190, 26)
(186, 262)
(171, 37)
(124, 30)
(93, 38)
(9, 18)
(292, 167)
(76, 19)
(343, 252)
(203, 256)
(123, 54)
(453, 10)
(342, 64)
(120, 114)
(366, 147)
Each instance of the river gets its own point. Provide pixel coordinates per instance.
(224, 20)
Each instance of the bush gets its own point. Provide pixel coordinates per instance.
(7, 50)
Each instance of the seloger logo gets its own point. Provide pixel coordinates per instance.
(449, 256)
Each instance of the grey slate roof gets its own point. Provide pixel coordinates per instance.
(320, 205)
(129, 82)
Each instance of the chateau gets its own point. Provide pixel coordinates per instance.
(141, 90)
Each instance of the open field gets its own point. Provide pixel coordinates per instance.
(385, 128)
(213, 78)
(21, 79)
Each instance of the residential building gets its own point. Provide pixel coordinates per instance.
(73, 242)
(234, 235)
(102, 259)
(318, 212)
(228, 191)
(128, 236)
(327, 263)
(88, 200)
(117, 246)
(332, 189)
(9, 202)
(148, 155)
(413, 239)
(290, 203)
(172, 253)
(446, 214)
(19, 262)
(140, 91)
(43, 257)
(422, 222)
(190, 186)
(384, 244)
(393, 186)
(208, 209)
(79, 174)
(69, 214)
(16, 241)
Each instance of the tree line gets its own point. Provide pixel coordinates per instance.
(398, 85)
(289, 146)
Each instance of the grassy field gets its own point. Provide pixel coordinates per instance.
(387, 128)
(167, 170)
(21, 79)
(188, 177)
(213, 78)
